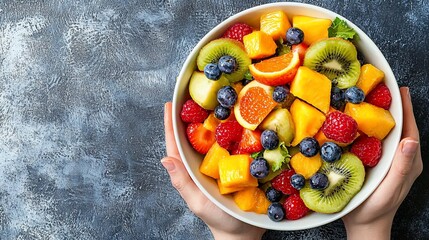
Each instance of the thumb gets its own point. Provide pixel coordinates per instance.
(181, 180)
(404, 157)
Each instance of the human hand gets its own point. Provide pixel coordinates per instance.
(373, 219)
(222, 225)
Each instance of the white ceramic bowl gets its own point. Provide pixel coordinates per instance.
(192, 159)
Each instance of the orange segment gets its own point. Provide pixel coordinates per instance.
(254, 104)
(259, 45)
(276, 71)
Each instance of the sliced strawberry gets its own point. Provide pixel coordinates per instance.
(301, 49)
(200, 138)
(250, 142)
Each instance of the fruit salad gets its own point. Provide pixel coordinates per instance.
(287, 114)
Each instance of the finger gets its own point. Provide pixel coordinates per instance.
(409, 128)
(183, 183)
(170, 142)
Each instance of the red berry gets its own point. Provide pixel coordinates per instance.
(250, 142)
(301, 49)
(340, 127)
(295, 207)
(238, 31)
(380, 96)
(200, 137)
(228, 134)
(282, 182)
(367, 149)
(192, 112)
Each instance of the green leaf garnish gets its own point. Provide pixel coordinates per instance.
(339, 28)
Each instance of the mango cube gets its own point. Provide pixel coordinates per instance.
(314, 28)
(372, 120)
(259, 45)
(210, 164)
(226, 190)
(307, 119)
(252, 199)
(369, 77)
(275, 24)
(312, 87)
(234, 171)
(306, 166)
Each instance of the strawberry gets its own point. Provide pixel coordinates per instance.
(238, 31)
(282, 182)
(367, 149)
(380, 96)
(295, 207)
(200, 138)
(340, 127)
(301, 49)
(228, 134)
(250, 142)
(193, 113)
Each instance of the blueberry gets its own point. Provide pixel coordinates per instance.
(273, 195)
(309, 146)
(212, 71)
(221, 112)
(354, 95)
(269, 139)
(276, 212)
(319, 181)
(294, 36)
(227, 96)
(280, 93)
(227, 64)
(297, 181)
(338, 98)
(259, 168)
(330, 152)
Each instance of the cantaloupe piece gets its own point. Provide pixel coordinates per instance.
(210, 164)
(259, 45)
(314, 28)
(312, 87)
(369, 77)
(234, 171)
(372, 120)
(275, 24)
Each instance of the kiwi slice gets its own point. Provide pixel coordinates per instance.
(336, 58)
(215, 49)
(346, 177)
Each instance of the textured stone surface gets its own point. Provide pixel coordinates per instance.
(82, 87)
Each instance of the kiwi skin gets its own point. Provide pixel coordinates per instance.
(217, 48)
(337, 59)
(338, 194)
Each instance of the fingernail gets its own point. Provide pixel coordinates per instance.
(168, 164)
(409, 147)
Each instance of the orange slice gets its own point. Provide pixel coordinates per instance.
(276, 71)
(254, 103)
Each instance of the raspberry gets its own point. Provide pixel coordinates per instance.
(380, 96)
(192, 112)
(228, 134)
(340, 127)
(238, 31)
(295, 207)
(367, 149)
(282, 182)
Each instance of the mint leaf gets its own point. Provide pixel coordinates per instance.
(277, 157)
(339, 28)
(282, 48)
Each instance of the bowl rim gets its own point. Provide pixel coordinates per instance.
(176, 112)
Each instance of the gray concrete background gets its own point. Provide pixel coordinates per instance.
(82, 88)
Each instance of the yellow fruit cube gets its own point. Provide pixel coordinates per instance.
(307, 119)
(369, 77)
(210, 164)
(306, 166)
(211, 122)
(226, 190)
(275, 24)
(234, 171)
(372, 120)
(252, 199)
(314, 28)
(259, 45)
(312, 87)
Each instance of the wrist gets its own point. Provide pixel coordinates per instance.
(378, 229)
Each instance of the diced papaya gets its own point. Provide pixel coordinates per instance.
(259, 45)
(372, 120)
(226, 190)
(306, 166)
(234, 171)
(210, 164)
(369, 77)
(252, 199)
(314, 28)
(307, 119)
(275, 24)
(312, 87)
